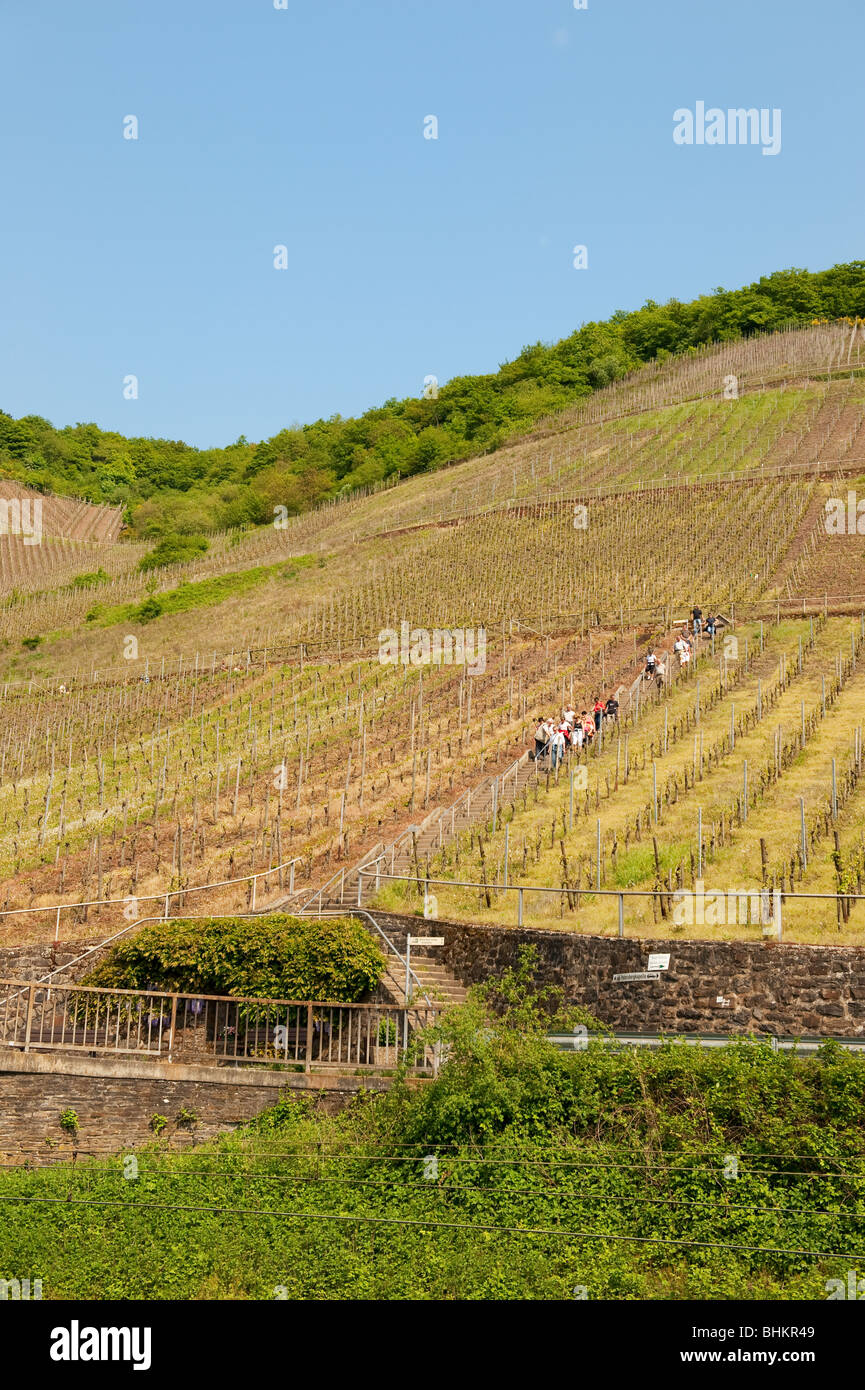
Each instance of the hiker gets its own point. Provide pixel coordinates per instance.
(685, 653)
(697, 615)
(557, 748)
(541, 739)
(569, 716)
(611, 709)
(577, 737)
(651, 663)
(588, 726)
(598, 712)
(710, 625)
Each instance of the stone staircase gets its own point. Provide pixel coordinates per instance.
(436, 980)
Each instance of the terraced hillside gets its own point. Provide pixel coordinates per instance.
(745, 775)
(232, 714)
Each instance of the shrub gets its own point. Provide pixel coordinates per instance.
(69, 1122)
(148, 610)
(87, 581)
(267, 957)
(173, 550)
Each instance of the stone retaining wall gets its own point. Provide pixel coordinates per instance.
(115, 1101)
(710, 986)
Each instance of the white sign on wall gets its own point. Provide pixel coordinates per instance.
(659, 962)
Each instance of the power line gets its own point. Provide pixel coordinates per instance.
(564, 1194)
(585, 1164)
(443, 1225)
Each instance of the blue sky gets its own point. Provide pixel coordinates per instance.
(304, 127)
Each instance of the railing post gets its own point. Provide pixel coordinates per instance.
(57, 925)
(519, 907)
(621, 914)
(172, 1025)
(254, 886)
(291, 877)
(31, 995)
(165, 914)
(407, 965)
(360, 887)
(308, 1059)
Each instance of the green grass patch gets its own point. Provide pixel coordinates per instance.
(199, 593)
(637, 864)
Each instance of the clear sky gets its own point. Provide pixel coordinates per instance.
(304, 127)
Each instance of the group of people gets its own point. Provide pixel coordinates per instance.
(699, 626)
(682, 646)
(555, 737)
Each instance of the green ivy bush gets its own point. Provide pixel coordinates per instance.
(273, 956)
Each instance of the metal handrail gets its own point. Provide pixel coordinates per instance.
(362, 912)
(778, 897)
(340, 874)
(197, 917)
(193, 994)
(608, 892)
(57, 908)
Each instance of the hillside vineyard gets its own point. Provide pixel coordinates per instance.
(236, 714)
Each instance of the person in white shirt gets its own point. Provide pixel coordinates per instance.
(557, 744)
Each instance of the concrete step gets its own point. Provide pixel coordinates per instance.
(438, 982)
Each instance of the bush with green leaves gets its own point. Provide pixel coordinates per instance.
(90, 580)
(173, 550)
(274, 956)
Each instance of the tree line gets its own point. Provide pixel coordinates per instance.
(168, 486)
